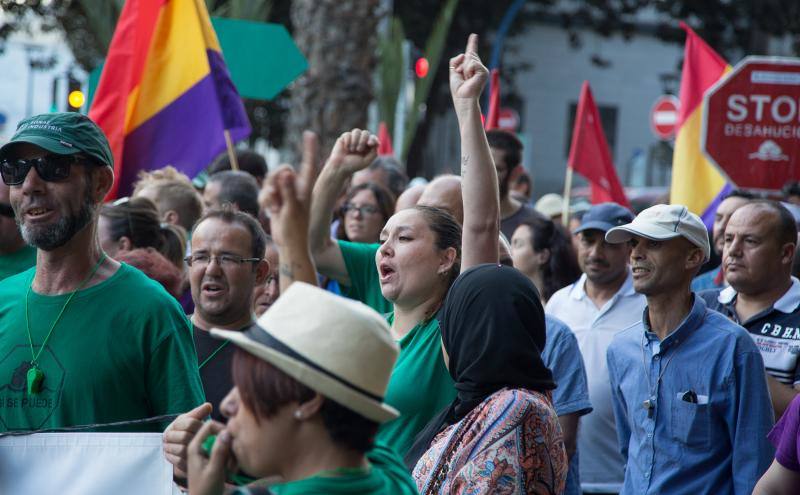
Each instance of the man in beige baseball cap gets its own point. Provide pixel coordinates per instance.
(685, 378)
(664, 222)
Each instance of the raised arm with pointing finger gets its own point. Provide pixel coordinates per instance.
(288, 199)
(479, 190)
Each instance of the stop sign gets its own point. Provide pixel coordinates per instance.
(664, 116)
(508, 119)
(751, 125)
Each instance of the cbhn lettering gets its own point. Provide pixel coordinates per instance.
(788, 332)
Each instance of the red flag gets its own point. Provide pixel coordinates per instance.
(589, 154)
(385, 146)
(493, 117)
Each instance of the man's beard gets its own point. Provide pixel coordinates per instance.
(50, 237)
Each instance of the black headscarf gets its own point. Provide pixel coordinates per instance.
(493, 330)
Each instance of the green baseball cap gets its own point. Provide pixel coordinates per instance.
(62, 133)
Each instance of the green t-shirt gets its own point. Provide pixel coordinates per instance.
(419, 368)
(18, 261)
(122, 351)
(386, 475)
(359, 258)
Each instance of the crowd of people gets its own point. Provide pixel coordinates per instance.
(341, 330)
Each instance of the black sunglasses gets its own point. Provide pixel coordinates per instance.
(6, 210)
(50, 168)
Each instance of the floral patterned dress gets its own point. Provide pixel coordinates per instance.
(510, 444)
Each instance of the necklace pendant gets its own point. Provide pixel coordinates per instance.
(35, 377)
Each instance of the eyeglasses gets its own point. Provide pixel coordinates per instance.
(223, 260)
(363, 210)
(50, 168)
(6, 210)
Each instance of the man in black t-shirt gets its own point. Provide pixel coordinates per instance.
(225, 266)
(763, 297)
(506, 151)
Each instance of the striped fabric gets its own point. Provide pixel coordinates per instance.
(165, 96)
(695, 182)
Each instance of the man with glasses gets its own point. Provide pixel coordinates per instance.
(86, 340)
(226, 265)
(15, 255)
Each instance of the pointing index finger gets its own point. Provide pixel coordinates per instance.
(472, 44)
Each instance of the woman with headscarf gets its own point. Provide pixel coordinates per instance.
(501, 433)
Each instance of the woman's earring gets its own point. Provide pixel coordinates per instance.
(298, 414)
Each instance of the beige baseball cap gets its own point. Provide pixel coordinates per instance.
(663, 222)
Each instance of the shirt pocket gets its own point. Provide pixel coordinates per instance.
(691, 422)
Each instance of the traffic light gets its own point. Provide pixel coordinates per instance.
(421, 67)
(75, 96)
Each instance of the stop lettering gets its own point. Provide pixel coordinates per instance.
(751, 126)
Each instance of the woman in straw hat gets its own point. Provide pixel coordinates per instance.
(409, 273)
(309, 379)
(500, 434)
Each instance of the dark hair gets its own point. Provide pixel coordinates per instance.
(264, 389)
(740, 193)
(137, 219)
(791, 188)
(448, 234)
(259, 238)
(396, 179)
(237, 188)
(249, 161)
(507, 142)
(382, 196)
(562, 267)
(786, 227)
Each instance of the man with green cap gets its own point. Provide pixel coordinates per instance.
(84, 340)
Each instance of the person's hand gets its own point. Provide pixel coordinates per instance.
(353, 151)
(207, 473)
(468, 75)
(287, 195)
(178, 435)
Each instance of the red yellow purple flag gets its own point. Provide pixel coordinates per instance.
(695, 181)
(165, 96)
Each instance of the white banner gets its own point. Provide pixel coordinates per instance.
(85, 464)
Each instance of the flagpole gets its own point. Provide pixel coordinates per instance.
(567, 192)
(231, 151)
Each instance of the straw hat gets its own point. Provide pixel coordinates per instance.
(340, 348)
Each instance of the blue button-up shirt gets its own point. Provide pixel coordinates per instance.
(563, 356)
(706, 430)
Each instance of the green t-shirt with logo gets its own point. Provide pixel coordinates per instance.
(365, 286)
(386, 475)
(420, 364)
(122, 350)
(18, 261)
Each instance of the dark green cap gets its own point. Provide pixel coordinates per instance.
(64, 133)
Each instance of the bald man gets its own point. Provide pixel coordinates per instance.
(15, 255)
(444, 192)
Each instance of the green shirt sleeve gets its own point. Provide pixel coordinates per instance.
(359, 259)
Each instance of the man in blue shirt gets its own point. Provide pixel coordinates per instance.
(685, 379)
(571, 397)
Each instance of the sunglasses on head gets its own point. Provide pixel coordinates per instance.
(50, 168)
